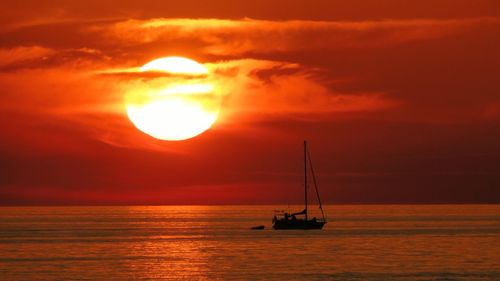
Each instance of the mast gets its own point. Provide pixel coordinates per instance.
(316, 185)
(305, 178)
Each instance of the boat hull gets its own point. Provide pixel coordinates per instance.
(298, 224)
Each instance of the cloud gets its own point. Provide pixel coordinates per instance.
(23, 54)
(256, 89)
(133, 41)
(84, 84)
(68, 96)
(251, 36)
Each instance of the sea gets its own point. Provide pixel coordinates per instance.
(359, 242)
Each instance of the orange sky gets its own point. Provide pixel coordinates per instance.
(400, 101)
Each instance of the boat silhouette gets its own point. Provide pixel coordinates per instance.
(300, 220)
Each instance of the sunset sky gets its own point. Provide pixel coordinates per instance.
(399, 100)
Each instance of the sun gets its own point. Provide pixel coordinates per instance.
(178, 103)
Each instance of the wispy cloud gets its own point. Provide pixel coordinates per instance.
(258, 88)
(23, 54)
(246, 36)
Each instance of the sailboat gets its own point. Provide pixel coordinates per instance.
(291, 221)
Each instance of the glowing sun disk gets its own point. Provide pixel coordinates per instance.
(175, 65)
(179, 109)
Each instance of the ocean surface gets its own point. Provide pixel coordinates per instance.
(360, 242)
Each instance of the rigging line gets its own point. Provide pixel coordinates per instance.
(315, 184)
(305, 177)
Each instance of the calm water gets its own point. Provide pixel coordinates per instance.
(381, 242)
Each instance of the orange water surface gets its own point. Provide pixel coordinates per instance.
(360, 242)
